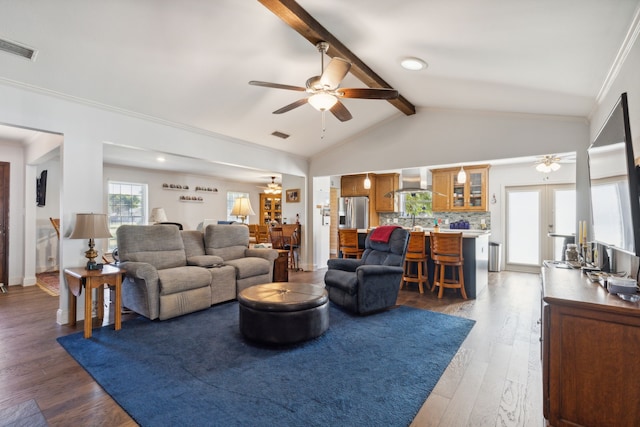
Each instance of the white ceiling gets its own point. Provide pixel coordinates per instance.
(189, 62)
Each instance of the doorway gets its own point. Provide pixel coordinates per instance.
(540, 220)
(4, 225)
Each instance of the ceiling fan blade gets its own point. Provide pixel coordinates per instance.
(291, 106)
(368, 93)
(341, 112)
(276, 85)
(334, 73)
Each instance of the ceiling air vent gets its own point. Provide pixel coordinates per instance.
(280, 134)
(17, 49)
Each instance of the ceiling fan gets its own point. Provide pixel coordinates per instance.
(548, 163)
(272, 187)
(325, 91)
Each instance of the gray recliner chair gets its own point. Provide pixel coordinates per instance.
(371, 283)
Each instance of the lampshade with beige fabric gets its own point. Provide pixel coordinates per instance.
(242, 208)
(158, 215)
(91, 226)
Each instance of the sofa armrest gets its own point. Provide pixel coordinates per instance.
(344, 264)
(141, 288)
(266, 253)
(140, 270)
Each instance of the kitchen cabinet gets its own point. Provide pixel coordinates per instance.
(353, 185)
(386, 183)
(590, 347)
(451, 195)
(270, 208)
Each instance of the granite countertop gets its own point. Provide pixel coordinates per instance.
(465, 233)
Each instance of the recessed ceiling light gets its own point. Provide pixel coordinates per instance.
(160, 159)
(413, 64)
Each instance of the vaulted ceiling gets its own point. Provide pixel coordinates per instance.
(189, 62)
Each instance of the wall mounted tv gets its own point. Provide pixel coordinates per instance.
(41, 189)
(615, 201)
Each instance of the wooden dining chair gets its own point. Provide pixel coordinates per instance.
(56, 225)
(415, 262)
(446, 251)
(262, 233)
(348, 241)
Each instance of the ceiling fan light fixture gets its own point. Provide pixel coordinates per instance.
(548, 164)
(413, 64)
(272, 187)
(322, 101)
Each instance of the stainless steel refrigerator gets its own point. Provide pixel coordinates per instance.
(354, 212)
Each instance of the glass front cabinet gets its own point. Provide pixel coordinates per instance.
(270, 208)
(453, 195)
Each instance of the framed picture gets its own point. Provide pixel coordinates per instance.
(293, 196)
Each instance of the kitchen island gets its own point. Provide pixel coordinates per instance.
(475, 250)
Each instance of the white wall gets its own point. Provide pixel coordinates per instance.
(439, 137)
(188, 213)
(47, 255)
(626, 80)
(321, 232)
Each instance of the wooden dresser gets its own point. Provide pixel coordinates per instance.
(590, 353)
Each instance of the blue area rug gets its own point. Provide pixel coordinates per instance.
(197, 370)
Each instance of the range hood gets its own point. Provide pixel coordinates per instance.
(415, 180)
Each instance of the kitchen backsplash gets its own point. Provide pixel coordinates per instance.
(475, 219)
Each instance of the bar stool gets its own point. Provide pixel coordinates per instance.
(416, 257)
(349, 247)
(446, 251)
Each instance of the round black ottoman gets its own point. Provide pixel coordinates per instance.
(283, 313)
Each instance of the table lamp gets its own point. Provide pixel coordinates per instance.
(242, 208)
(158, 215)
(91, 226)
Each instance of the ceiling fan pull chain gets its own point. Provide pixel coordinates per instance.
(323, 125)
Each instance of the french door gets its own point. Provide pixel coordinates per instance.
(540, 219)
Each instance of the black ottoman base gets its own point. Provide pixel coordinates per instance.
(283, 313)
(286, 327)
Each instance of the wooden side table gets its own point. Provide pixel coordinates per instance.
(280, 267)
(79, 277)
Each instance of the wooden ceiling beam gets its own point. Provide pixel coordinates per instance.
(300, 20)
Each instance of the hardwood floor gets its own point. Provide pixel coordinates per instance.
(494, 380)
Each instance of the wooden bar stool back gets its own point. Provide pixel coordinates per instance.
(292, 244)
(446, 251)
(416, 257)
(348, 238)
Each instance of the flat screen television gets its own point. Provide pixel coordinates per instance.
(615, 202)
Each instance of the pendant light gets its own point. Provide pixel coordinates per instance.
(367, 182)
(462, 176)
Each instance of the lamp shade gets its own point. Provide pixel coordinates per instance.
(90, 226)
(242, 208)
(322, 101)
(158, 215)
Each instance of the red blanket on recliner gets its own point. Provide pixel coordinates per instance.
(381, 234)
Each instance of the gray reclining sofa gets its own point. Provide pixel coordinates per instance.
(170, 272)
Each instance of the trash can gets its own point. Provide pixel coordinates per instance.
(495, 256)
